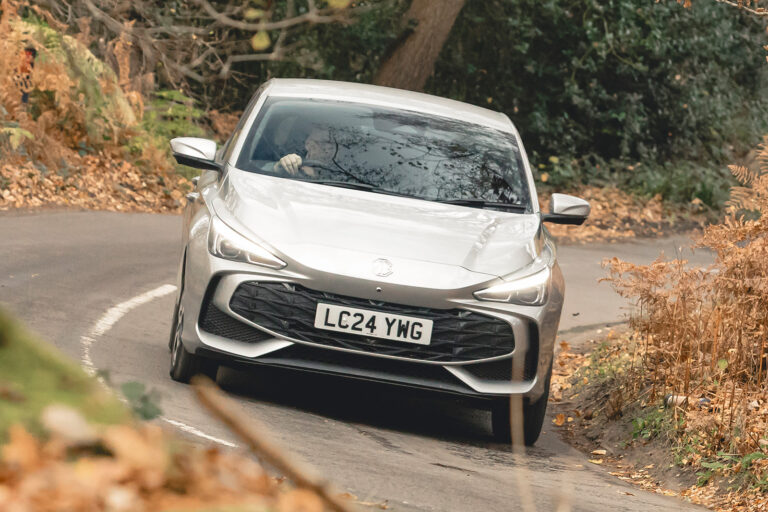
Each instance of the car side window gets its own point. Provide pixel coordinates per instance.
(226, 150)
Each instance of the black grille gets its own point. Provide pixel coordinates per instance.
(215, 321)
(289, 310)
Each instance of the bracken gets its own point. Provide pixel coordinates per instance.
(702, 334)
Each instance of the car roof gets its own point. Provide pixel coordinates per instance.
(388, 97)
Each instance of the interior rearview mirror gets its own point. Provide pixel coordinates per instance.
(565, 209)
(195, 152)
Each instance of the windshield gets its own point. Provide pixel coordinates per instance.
(385, 150)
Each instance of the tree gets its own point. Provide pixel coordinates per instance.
(199, 40)
(413, 61)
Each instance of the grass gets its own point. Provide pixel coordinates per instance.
(34, 375)
(737, 468)
(653, 422)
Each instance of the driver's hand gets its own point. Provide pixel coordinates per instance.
(291, 163)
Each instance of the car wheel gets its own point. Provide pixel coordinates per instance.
(533, 417)
(185, 365)
(174, 326)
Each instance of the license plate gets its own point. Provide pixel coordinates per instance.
(374, 324)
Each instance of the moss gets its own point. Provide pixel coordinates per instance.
(34, 375)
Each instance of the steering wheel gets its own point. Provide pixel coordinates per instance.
(318, 165)
(283, 172)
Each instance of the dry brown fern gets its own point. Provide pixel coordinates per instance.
(704, 330)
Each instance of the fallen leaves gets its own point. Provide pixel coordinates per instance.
(695, 414)
(617, 215)
(565, 366)
(300, 500)
(132, 468)
(98, 183)
(23, 451)
(559, 420)
(141, 452)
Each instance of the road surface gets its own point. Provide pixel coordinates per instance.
(63, 273)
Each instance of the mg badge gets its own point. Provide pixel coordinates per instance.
(382, 267)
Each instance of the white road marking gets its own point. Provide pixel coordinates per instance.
(107, 321)
(195, 432)
(112, 316)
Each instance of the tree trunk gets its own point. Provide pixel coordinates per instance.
(413, 61)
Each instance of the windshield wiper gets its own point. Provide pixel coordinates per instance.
(361, 186)
(477, 203)
(344, 184)
(482, 203)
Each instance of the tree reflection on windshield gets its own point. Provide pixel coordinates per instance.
(403, 152)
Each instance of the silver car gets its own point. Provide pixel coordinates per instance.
(375, 234)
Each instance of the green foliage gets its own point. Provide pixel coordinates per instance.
(33, 375)
(14, 135)
(352, 53)
(172, 114)
(143, 403)
(680, 180)
(736, 465)
(649, 96)
(605, 85)
(652, 423)
(640, 94)
(169, 114)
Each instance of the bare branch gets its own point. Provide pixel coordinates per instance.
(258, 442)
(757, 11)
(252, 57)
(203, 41)
(177, 29)
(111, 23)
(313, 16)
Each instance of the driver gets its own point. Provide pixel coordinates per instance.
(320, 148)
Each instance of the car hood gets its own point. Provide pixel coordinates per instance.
(307, 222)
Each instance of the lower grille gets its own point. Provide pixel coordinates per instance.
(215, 321)
(495, 370)
(501, 370)
(289, 310)
(429, 377)
(347, 363)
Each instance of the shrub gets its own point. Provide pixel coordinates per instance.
(602, 86)
(702, 331)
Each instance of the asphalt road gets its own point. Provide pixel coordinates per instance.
(60, 272)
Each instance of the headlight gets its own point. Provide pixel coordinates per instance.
(531, 290)
(227, 243)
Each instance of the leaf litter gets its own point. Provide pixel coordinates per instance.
(136, 467)
(616, 215)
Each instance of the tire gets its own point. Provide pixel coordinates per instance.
(185, 365)
(173, 326)
(177, 304)
(533, 417)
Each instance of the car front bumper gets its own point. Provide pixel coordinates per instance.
(212, 328)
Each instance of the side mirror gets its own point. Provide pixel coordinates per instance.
(565, 209)
(195, 152)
